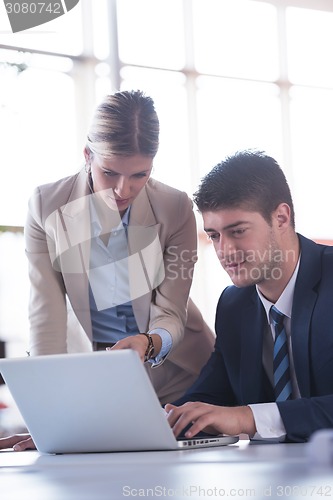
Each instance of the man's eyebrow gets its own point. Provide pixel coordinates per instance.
(225, 228)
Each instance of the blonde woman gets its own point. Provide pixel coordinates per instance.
(111, 254)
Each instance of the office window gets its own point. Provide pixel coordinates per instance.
(311, 118)
(151, 33)
(236, 39)
(37, 129)
(63, 36)
(236, 114)
(310, 47)
(224, 74)
(309, 37)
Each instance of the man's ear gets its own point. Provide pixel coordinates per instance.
(282, 215)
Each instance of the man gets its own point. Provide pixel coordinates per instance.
(248, 214)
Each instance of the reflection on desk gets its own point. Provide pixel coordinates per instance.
(242, 470)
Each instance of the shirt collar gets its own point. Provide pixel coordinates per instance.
(285, 301)
(126, 216)
(96, 227)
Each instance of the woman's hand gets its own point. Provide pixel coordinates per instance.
(210, 418)
(19, 442)
(138, 343)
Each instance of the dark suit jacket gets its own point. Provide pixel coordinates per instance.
(234, 374)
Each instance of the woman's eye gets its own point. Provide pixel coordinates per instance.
(108, 173)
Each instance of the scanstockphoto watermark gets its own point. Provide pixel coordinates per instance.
(195, 491)
(270, 254)
(30, 13)
(180, 263)
(256, 265)
(189, 491)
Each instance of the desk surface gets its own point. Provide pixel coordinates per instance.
(243, 470)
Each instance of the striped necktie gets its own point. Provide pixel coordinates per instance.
(281, 370)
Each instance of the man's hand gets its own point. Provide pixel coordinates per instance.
(138, 343)
(210, 418)
(19, 442)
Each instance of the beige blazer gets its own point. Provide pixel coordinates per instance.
(162, 252)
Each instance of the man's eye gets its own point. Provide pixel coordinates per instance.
(213, 237)
(238, 232)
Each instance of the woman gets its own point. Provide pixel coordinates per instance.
(111, 254)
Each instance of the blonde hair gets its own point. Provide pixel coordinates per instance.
(124, 124)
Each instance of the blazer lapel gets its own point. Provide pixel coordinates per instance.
(252, 327)
(76, 217)
(146, 265)
(304, 301)
(141, 211)
(75, 222)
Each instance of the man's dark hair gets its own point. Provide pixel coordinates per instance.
(248, 179)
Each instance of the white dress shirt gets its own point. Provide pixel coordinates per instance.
(267, 417)
(109, 291)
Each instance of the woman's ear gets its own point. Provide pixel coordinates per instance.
(86, 153)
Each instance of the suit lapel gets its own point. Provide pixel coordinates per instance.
(304, 301)
(305, 297)
(76, 217)
(75, 220)
(251, 353)
(146, 265)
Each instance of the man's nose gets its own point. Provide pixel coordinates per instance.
(225, 248)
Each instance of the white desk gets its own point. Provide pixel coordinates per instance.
(243, 470)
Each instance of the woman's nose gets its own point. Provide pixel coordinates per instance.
(122, 187)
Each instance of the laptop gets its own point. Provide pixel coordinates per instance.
(93, 402)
